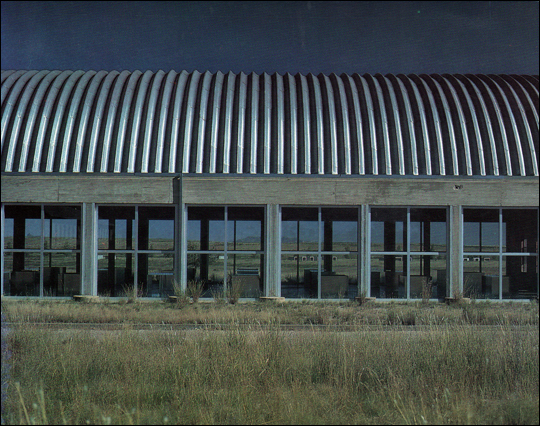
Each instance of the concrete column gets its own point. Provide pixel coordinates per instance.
(180, 237)
(272, 272)
(364, 276)
(455, 244)
(89, 250)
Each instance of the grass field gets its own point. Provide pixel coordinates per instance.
(471, 364)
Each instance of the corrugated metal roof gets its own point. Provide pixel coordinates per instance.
(135, 122)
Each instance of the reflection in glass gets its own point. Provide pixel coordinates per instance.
(21, 274)
(244, 274)
(521, 273)
(244, 228)
(115, 274)
(156, 228)
(388, 229)
(25, 228)
(209, 269)
(481, 230)
(206, 228)
(8, 232)
(339, 276)
(62, 227)
(155, 274)
(520, 230)
(386, 271)
(193, 234)
(116, 228)
(61, 274)
(340, 229)
(300, 229)
(480, 276)
(428, 277)
(428, 230)
(299, 276)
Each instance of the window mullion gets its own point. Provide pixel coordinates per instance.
(41, 253)
(408, 242)
(225, 254)
(319, 256)
(500, 253)
(136, 253)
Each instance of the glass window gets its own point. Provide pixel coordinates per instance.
(428, 230)
(388, 229)
(244, 274)
(156, 228)
(9, 225)
(244, 228)
(206, 228)
(61, 277)
(300, 229)
(481, 230)
(386, 276)
(115, 274)
(415, 263)
(518, 275)
(333, 239)
(299, 275)
(340, 229)
(26, 227)
(428, 277)
(520, 230)
(54, 243)
(116, 228)
(225, 266)
(62, 227)
(155, 274)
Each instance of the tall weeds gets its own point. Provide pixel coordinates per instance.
(449, 375)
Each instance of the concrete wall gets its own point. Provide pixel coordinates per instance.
(223, 189)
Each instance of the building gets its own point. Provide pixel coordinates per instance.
(396, 186)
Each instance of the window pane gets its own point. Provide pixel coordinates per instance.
(428, 277)
(480, 276)
(386, 271)
(481, 230)
(299, 276)
(339, 276)
(116, 228)
(245, 274)
(428, 230)
(207, 268)
(26, 228)
(245, 227)
(340, 229)
(520, 230)
(8, 271)
(61, 274)
(156, 228)
(206, 228)
(8, 232)
(21, 274)
(115, 274)
(156, 275)
(521, 273)
(388, 229)
(62, 227)
(300, 229)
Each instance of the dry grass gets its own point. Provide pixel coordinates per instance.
(456, 373)
(342, 313)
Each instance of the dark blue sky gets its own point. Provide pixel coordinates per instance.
(316, 37)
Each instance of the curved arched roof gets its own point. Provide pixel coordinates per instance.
(398, 125)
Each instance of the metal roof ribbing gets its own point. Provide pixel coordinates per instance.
(396, 125)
